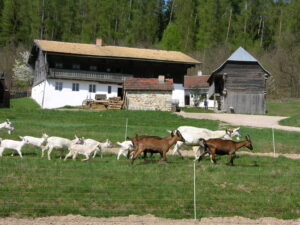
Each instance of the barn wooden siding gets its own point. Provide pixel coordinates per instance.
(245, 103)
(245, 86)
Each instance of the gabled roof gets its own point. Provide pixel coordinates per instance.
(146, 84)
(196, 81)
(239, 55)
(114, 51)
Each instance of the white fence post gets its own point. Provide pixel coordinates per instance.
(195, 211)
(126, 129)
(274, 150)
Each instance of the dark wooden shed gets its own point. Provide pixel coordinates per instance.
(4, 92)
(239, 84)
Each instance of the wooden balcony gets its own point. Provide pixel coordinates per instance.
(87, 75)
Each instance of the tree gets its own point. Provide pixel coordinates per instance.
(22, 74)
(171, 39)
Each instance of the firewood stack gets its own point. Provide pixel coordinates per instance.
(115, 103)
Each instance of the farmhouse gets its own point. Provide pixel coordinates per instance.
(196, 90)
(68, 73)
(4, 92)
(239, 84)
(148, 93)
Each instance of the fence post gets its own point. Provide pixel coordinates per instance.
(126, 128)
(195, 211)
(273, 136)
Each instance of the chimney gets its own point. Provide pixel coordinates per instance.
(98, 41)
(161, 79)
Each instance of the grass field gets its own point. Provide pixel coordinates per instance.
(254, 187)
(289, 108)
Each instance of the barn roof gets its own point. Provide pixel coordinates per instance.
(239, 55)
(114, 51)
(146, 84)
(196, 81)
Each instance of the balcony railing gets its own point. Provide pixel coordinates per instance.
(87, 75)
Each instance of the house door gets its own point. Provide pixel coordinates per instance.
(120, 92)
(187, 100)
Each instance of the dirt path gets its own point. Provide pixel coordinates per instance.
(141, 220)
(243, 120)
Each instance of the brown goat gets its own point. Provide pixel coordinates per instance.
(156, 144)
(224, 147)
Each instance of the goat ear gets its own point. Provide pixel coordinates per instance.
(7, 120)
(21, 137)
(169, 131)
(247, 138)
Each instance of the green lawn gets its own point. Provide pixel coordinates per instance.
(254, 187)
(196, 110)
(289, 108)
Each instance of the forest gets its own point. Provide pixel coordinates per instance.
(208, 30)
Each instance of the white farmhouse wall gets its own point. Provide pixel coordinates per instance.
(55, 98)
(37, 92)
(178, 94)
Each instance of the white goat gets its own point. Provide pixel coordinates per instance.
(86, 150)
(11, 144)
(101, 146)
(38, 142)
(125, 147)
(192, 134)
(59, 143)
(7, 125)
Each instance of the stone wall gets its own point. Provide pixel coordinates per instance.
(149, 100)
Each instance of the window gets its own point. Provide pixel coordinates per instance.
(58, 86)
(75, 87)
(92, 88)
(58, 65)
(93, 68)
(75, 66)
(109, 89)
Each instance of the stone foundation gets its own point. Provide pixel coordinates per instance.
(149, 100)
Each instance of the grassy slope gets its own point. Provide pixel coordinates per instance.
(287, 108)
(255, 187)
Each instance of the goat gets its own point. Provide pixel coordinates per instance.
(192, 135)
(11, 144)
(126, 146)
(38, 142)
(59, 143)
(7, 125)
(86, 150)
(156, 144)
(224, 147)
(101, 146)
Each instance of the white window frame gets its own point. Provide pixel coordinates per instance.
(75, 86)
(92, 88)
(58, 86)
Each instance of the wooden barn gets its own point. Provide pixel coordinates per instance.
(239, 85)
(4, 92)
